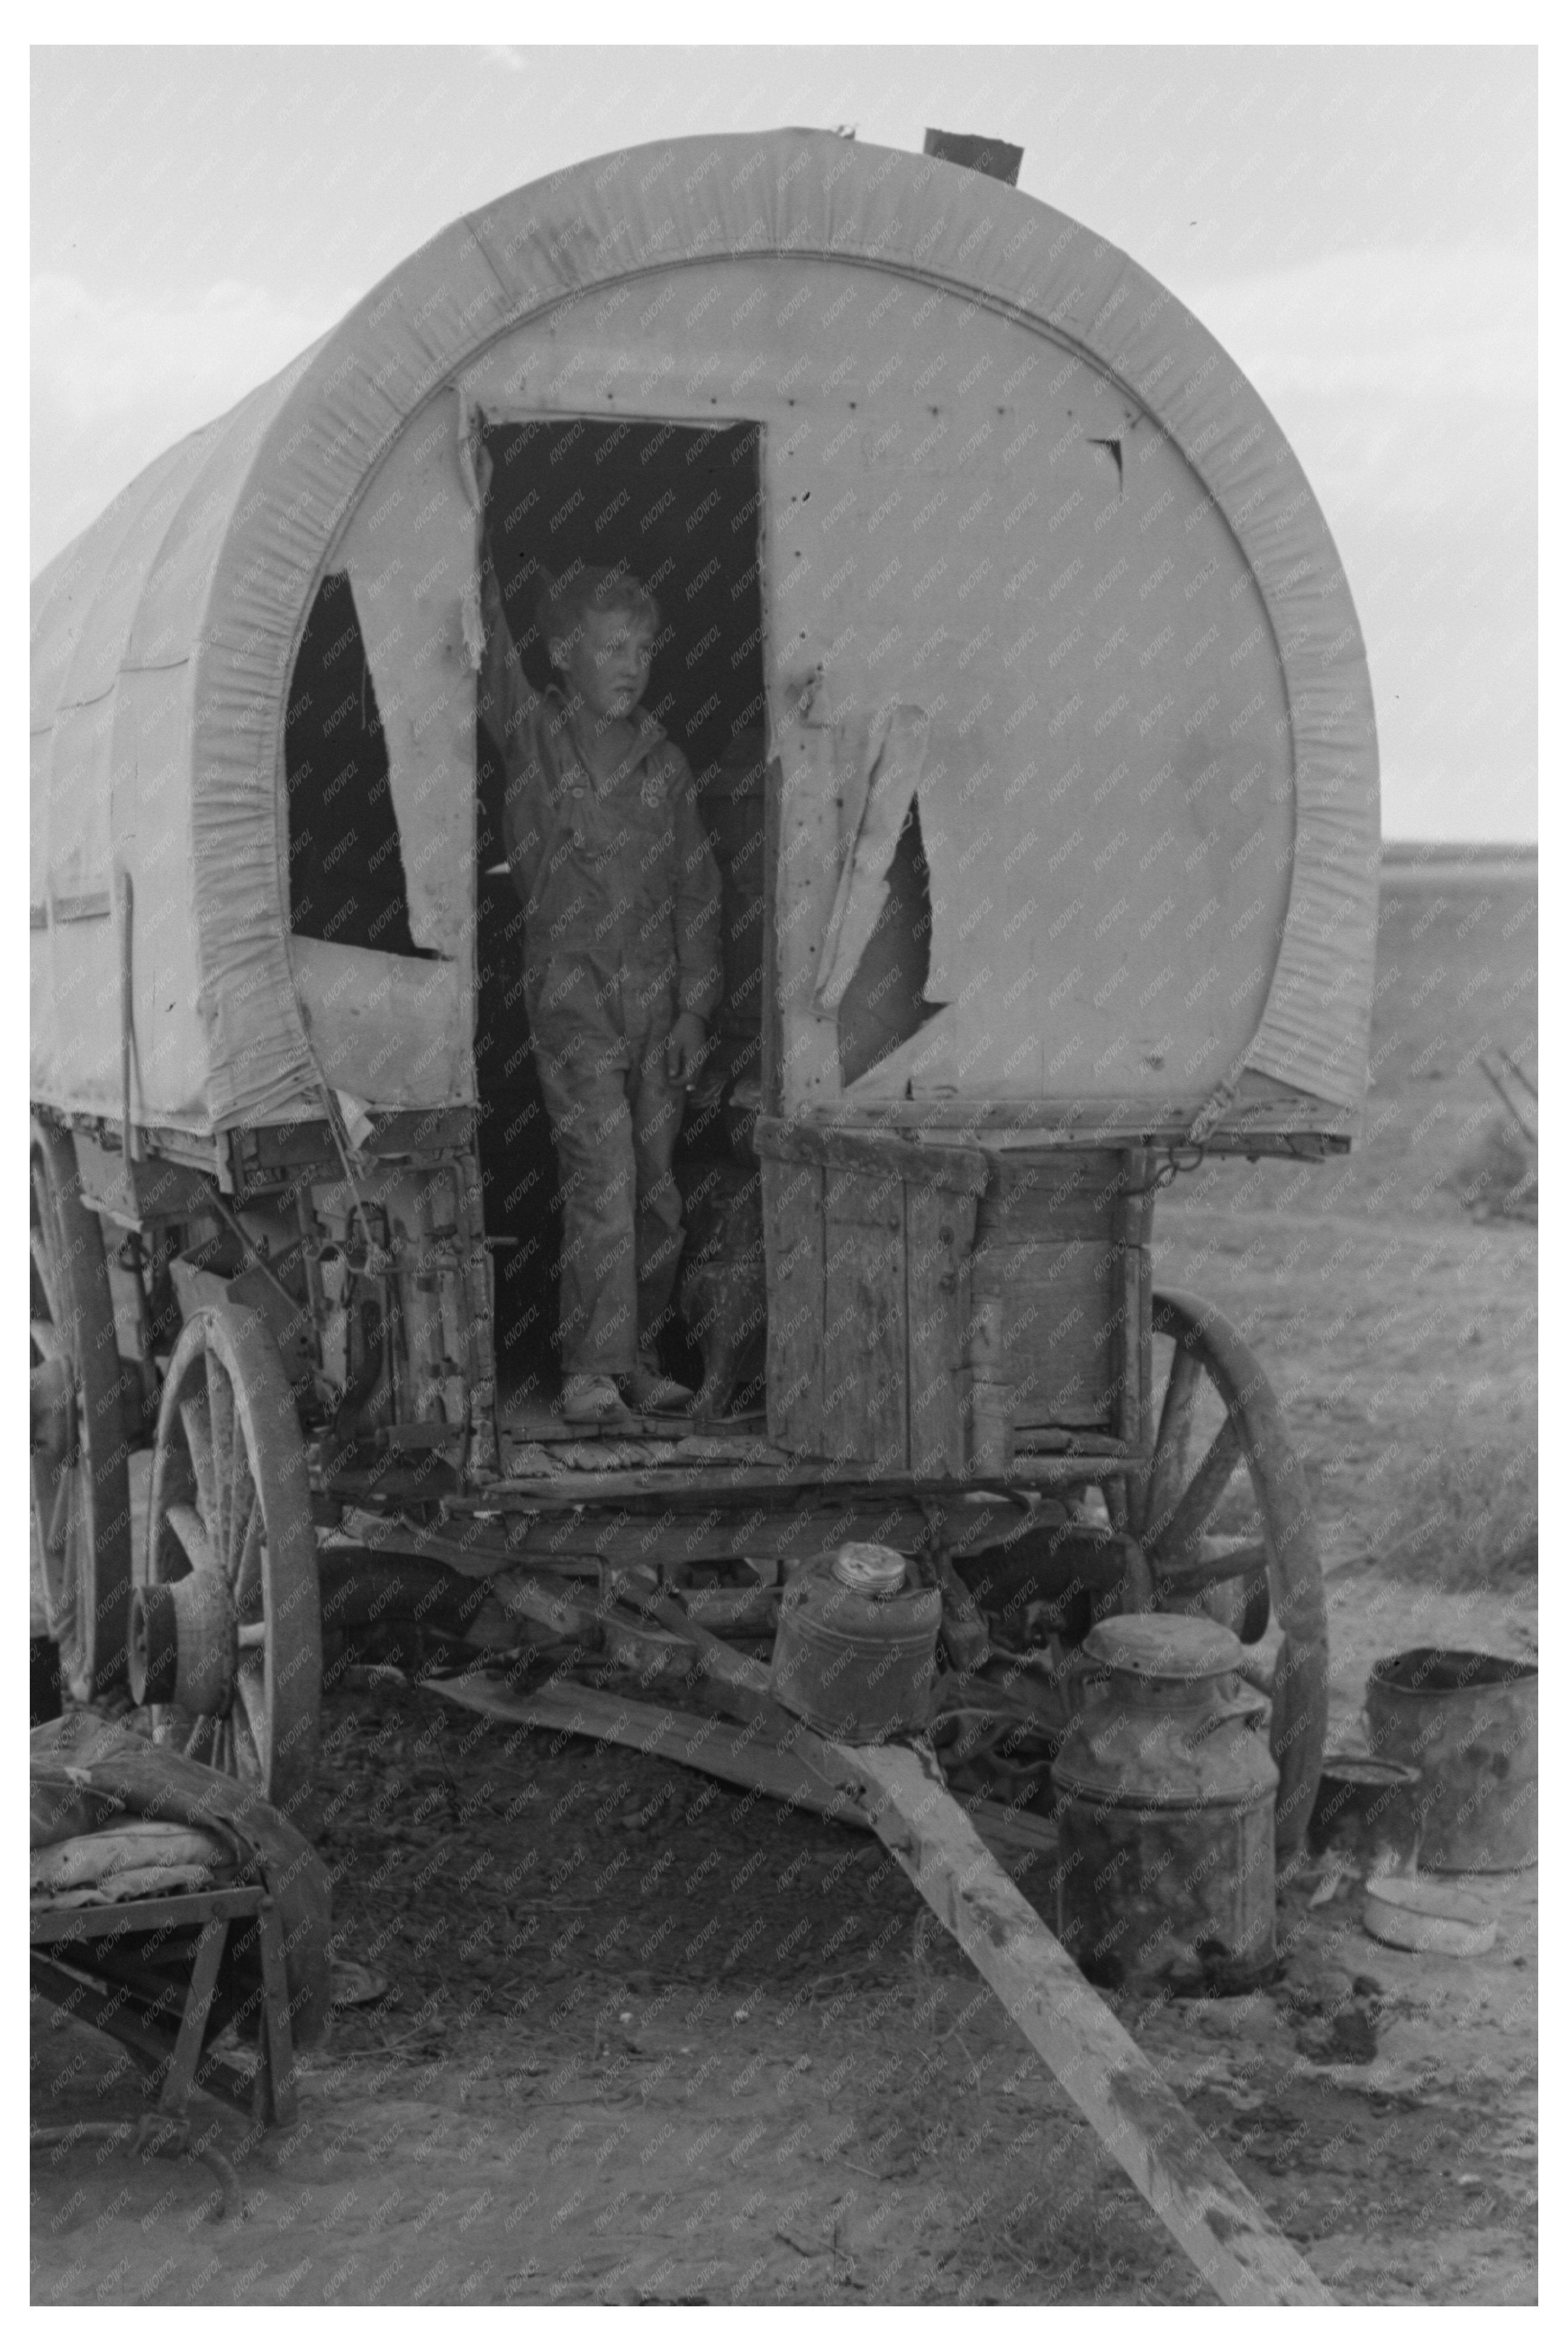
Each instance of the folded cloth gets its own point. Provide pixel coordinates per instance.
(137, 1885)
(106, 1856)
(87, 1770)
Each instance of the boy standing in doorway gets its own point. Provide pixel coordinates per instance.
(621, 971)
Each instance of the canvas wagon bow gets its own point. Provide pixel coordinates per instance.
(1033, 721)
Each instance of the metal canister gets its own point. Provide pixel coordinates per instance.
(1367, 1814)
(856, 1644)
(1167, 1794)
(1469, 1722)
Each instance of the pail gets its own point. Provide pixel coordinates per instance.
(1469, 1723)
(1367, 1811)
(855, 1645)
(1167, 1874)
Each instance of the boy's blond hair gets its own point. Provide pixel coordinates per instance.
(592, 587)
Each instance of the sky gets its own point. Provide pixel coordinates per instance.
(1357, 226)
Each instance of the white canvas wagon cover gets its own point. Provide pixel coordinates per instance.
(1035, 559)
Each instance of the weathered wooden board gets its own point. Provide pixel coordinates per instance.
(736, 1752)
(939, 1231)
(792, 1225)
(865, 1333)
(877, 1151)
(1171, 2162)
(898, 1792)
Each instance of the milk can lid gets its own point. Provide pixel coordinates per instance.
(1164, 1648)
(868, 1567)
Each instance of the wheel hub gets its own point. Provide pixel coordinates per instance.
(185, 1643)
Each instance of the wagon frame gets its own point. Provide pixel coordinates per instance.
(260, 1245)
(904, 1216)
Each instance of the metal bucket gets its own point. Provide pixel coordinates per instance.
(853, 1660)
(1367, 1811)
(1467, 1722)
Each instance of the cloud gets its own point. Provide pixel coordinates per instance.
(117, 377)
(1405, 379)
(1398, 322)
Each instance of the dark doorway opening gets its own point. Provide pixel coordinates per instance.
(680, 506)
(345, 880)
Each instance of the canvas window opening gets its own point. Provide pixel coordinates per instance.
(347, 882)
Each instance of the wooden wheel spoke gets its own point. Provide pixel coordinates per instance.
(59, 1513)
(192, 1536)
(245, 1580)
(250, 1704)
(195, 1422)
(247, 1752)
(1212, 1565)
(1186, 1523)
(1168, 1469)
(245, 1509)
(200, 1735)
(225, 1501)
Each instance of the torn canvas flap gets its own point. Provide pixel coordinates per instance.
(896, 757)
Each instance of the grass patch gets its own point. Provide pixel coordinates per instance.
(1459, 1515)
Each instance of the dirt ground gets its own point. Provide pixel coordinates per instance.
(645, 2040)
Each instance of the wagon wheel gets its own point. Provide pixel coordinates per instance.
(81, 1491)
(1238, 1546)
(225, 1630)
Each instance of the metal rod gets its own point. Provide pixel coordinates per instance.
(130, 1143)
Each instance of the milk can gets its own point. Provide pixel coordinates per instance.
(1166, 1789)
(856, 1642)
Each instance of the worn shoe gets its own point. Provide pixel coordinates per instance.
(650, 1391)
(591, 1396)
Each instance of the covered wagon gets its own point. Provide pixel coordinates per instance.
(1032, 725)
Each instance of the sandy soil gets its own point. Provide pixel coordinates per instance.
(645, 2041)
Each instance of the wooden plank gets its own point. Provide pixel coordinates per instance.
(705, 1489)
(104, 1921)
(735, 1752)
(1087, 1266)
(1036, 1223)
(957, 1168)
(772, 1018)
(1172, 2162)
(898, 1790)
(865, 1333)
(1056, 1303)
(1281, 1127)
(1134, 1352)
(792, 1230)
(138, 1191)
(939, 1231)
(179, 2080)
